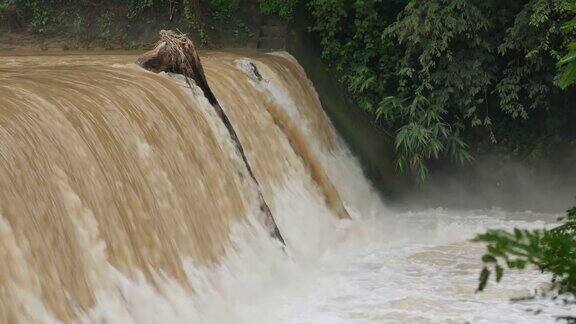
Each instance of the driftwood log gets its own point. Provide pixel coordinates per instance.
(175, 53)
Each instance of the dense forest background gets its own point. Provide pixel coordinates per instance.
(446, 75)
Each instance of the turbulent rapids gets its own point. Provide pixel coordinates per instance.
(123, 199)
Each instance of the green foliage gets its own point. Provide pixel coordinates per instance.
(537, 38)
(40, 17)
(568, 62)
(105, 26)
(7, 7)
(136, 7)
(551, 251)
(106, 21)
(191, 18)
(6, 4)
(440, 72)
(223, 9)
(399, 85)
(282, 8)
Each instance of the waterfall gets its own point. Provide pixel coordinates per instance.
(112, 176)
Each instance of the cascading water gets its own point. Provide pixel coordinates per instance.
(123, 200)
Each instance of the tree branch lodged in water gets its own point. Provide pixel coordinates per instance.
(176, 53)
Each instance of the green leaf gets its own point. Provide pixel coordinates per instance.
(483, 280)
(488, 258)
(499, 273)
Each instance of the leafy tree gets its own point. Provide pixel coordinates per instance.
(551, 251)
(446, 73)
(466, 64)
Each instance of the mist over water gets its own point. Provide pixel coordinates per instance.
(122, 200)
(490, 181)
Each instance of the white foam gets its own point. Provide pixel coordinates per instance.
(401, 267)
